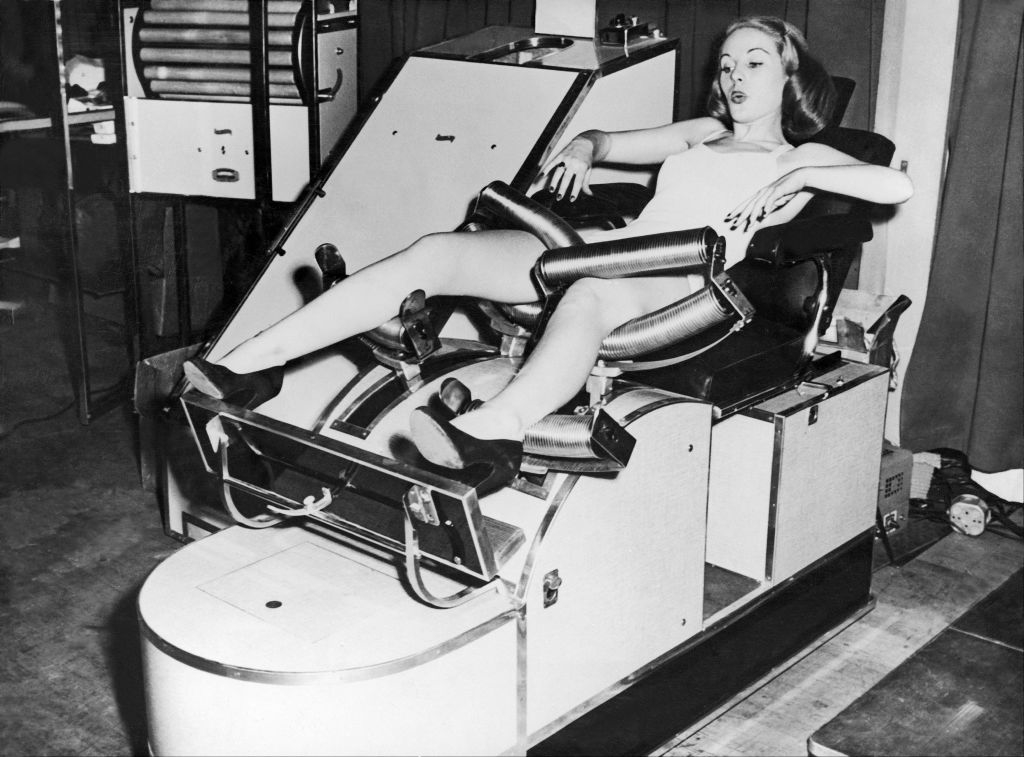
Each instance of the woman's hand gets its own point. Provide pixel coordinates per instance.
(767, 200)
(569, 171)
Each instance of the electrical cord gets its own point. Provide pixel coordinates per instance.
(951, 477)
(7, 431)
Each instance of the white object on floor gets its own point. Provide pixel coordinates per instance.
(1008, 484)
(10, 243)
(11, 307)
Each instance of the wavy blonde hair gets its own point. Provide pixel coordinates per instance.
(808, 97)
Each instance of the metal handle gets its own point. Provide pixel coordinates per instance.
(224, 174)
(329, 93)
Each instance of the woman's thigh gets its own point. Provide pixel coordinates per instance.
(615, 301)
(492, 265)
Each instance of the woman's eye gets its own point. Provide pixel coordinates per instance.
(755, 63)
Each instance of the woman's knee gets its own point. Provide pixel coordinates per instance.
(603, 302)
(432, 257)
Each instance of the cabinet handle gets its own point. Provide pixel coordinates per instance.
(328, 93)
(225, 174)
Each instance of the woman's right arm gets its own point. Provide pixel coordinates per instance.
(569, 170)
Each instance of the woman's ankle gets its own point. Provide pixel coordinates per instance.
(490, 423)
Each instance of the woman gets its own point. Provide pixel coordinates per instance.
(734, 169)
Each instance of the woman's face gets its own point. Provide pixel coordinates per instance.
(751, 75)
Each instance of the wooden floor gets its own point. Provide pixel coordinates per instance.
(914, 603)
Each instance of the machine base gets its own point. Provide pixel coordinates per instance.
(685, 689)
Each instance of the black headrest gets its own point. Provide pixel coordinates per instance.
(862, 145)
(844, 91)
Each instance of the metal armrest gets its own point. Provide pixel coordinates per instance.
(608, 205)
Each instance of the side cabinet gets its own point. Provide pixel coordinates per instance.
(796, 477)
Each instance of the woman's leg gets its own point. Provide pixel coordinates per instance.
(494, 265)
(560, 363)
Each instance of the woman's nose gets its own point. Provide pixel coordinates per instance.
(737, 75)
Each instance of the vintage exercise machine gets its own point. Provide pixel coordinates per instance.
(705, 506)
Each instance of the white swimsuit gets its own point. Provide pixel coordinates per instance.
(696, 188)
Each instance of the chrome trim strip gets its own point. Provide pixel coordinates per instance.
(522, 735)
(557, 501)
(640, 412)
(773, 495)
(305, 678)
(331, 406)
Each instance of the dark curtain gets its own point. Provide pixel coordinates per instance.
(964, 386)
(845, 34)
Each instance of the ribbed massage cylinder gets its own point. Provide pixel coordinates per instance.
(526, 214)
(200, 49)
(560, 435)
(674, 323)
(633, 256)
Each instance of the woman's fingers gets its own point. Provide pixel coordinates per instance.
(760, 205)
(568, 173)
(567, 179)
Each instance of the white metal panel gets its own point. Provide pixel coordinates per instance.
(828, 474)
(289, 151)
(204, 149)
(175, 147)
(739, 494)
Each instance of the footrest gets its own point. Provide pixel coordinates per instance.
(592, 442)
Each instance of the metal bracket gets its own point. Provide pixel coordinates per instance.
(414, 574)
(420, 504)
(417, 329)
(601, 381)
(228, 484)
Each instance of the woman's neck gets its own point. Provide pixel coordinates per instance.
(762, 131)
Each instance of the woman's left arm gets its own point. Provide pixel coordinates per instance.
(819, 168)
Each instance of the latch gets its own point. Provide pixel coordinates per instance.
(552, 583)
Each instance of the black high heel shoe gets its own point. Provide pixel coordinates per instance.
(490, 464)
(246, 389)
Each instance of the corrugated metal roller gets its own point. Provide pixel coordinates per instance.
(200, 49)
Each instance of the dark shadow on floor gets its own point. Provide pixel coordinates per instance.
(124, 658)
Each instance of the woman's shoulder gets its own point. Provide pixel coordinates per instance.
(695, 131)
(815, 154)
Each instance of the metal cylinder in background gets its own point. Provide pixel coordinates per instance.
(200, 49)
